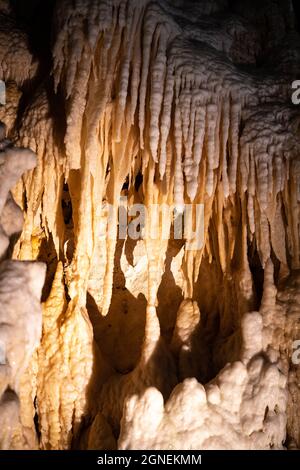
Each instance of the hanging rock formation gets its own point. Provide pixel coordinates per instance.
(158, 342)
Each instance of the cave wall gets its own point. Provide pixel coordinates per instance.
(153, 343)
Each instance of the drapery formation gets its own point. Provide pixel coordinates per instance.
(163, 103)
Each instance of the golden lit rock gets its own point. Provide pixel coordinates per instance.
(158, 332)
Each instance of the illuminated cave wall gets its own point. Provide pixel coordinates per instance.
(148, 343)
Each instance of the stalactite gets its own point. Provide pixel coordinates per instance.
(66, 353)
(162, 104)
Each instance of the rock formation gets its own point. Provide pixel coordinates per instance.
(161, 342)
(20, 315)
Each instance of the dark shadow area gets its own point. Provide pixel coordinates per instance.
(257, 272)
(296, 6)
(67, 216)
(169, 295)
(35, 17)
(120, 334)
(47, 255)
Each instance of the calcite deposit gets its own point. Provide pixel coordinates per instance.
(167, 341)
(20, 314)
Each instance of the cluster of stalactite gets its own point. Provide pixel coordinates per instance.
(150, 343)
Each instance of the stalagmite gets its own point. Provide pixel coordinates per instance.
(164, 200)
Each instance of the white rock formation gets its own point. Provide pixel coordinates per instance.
(20, 313)
(150, 344)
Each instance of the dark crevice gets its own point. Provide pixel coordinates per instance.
(36, 420)
(66, 205)
(257, 272)
(138, 181)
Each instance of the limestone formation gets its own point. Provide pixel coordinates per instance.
(20, 314)
(155, 342)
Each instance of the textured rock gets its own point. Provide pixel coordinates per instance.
(152, 343)
(20, 313)
(17, 62)
(244, 407)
